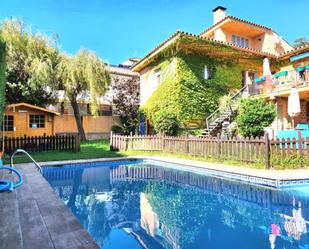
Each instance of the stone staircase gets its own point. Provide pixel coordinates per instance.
(219, 121)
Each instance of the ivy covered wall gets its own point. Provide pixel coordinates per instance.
(185, 94)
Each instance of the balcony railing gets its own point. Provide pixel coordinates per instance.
(280, 81)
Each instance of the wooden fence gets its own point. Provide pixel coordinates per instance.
(41, 143)
(249, 150)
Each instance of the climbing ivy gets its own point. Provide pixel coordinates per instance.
(184, 92)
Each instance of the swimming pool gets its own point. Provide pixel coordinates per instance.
(142, 204)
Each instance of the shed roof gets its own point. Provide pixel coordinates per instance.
(32, 107)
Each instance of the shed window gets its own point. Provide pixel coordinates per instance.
(9, 123)
(37, 121)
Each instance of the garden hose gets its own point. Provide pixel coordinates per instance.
(7, 185)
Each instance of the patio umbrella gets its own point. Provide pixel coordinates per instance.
(293, 104)
(266, 67)
(267, 72)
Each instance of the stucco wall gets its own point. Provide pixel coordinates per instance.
(283, 120)
(95, 127)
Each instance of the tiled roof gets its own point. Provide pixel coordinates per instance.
(236, 19)
(178, 34)
(121, 70)
(32, 107)
(295, 51)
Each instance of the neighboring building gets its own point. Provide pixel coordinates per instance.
(233, 49)
(24, 119)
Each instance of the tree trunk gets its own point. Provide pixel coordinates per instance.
(78, 119)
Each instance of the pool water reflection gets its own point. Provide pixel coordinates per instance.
(128, 204)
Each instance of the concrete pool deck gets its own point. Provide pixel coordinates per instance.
(34, 217)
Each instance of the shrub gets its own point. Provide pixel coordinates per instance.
(117, 129)
(254, 115)
(166, 122)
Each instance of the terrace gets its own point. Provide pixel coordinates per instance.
(282, 82)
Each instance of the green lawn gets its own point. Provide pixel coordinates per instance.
(100, 149)
(88, 149)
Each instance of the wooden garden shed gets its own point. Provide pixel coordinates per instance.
(26, 119)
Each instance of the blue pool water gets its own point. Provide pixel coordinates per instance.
(135, 204)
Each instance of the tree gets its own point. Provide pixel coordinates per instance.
(2, 77)
(301, 42)
(31, 60)
(254, 114)
(80, 75)
(126, 101)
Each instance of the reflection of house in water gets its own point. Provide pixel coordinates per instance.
(238, 195)
(295, 225)
(118, 195)
(152, 226)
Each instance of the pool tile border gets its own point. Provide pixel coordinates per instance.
(274, 179)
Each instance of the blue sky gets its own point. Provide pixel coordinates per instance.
(119, 29)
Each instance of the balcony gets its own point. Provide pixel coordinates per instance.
(279, 84)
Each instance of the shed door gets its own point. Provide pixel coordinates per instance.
(22, 124)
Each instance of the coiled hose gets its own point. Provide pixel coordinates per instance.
(7, 185)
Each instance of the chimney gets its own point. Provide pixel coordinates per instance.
(219, 14)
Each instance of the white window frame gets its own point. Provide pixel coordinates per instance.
(206, 72)
(240, 41)
(158, 75)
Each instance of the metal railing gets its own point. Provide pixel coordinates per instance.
(284, 80)
(216, 114)
(18, 151)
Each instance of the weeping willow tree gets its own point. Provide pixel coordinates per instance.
(31, 60)
(2, 77)
(80, 75)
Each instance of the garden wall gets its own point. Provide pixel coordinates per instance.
(95, 127)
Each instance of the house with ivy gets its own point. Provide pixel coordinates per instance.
(182, 79)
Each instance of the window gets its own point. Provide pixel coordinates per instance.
(157, 73)
(206, 73)
(37, 121)
(9, 123)
(240, 41)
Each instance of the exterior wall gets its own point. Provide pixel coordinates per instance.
(220, 35)
(95, 127)
(149, 82)
(68, 110)
(21, 123)
(269, 41)
(283, 120)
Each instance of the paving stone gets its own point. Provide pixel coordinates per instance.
(66, 240)
(56, 224)
(33, 216)
(10, 233)
(47, 208)
(91, 245)
(34, 233)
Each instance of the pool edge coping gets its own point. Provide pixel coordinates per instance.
(264, 177)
